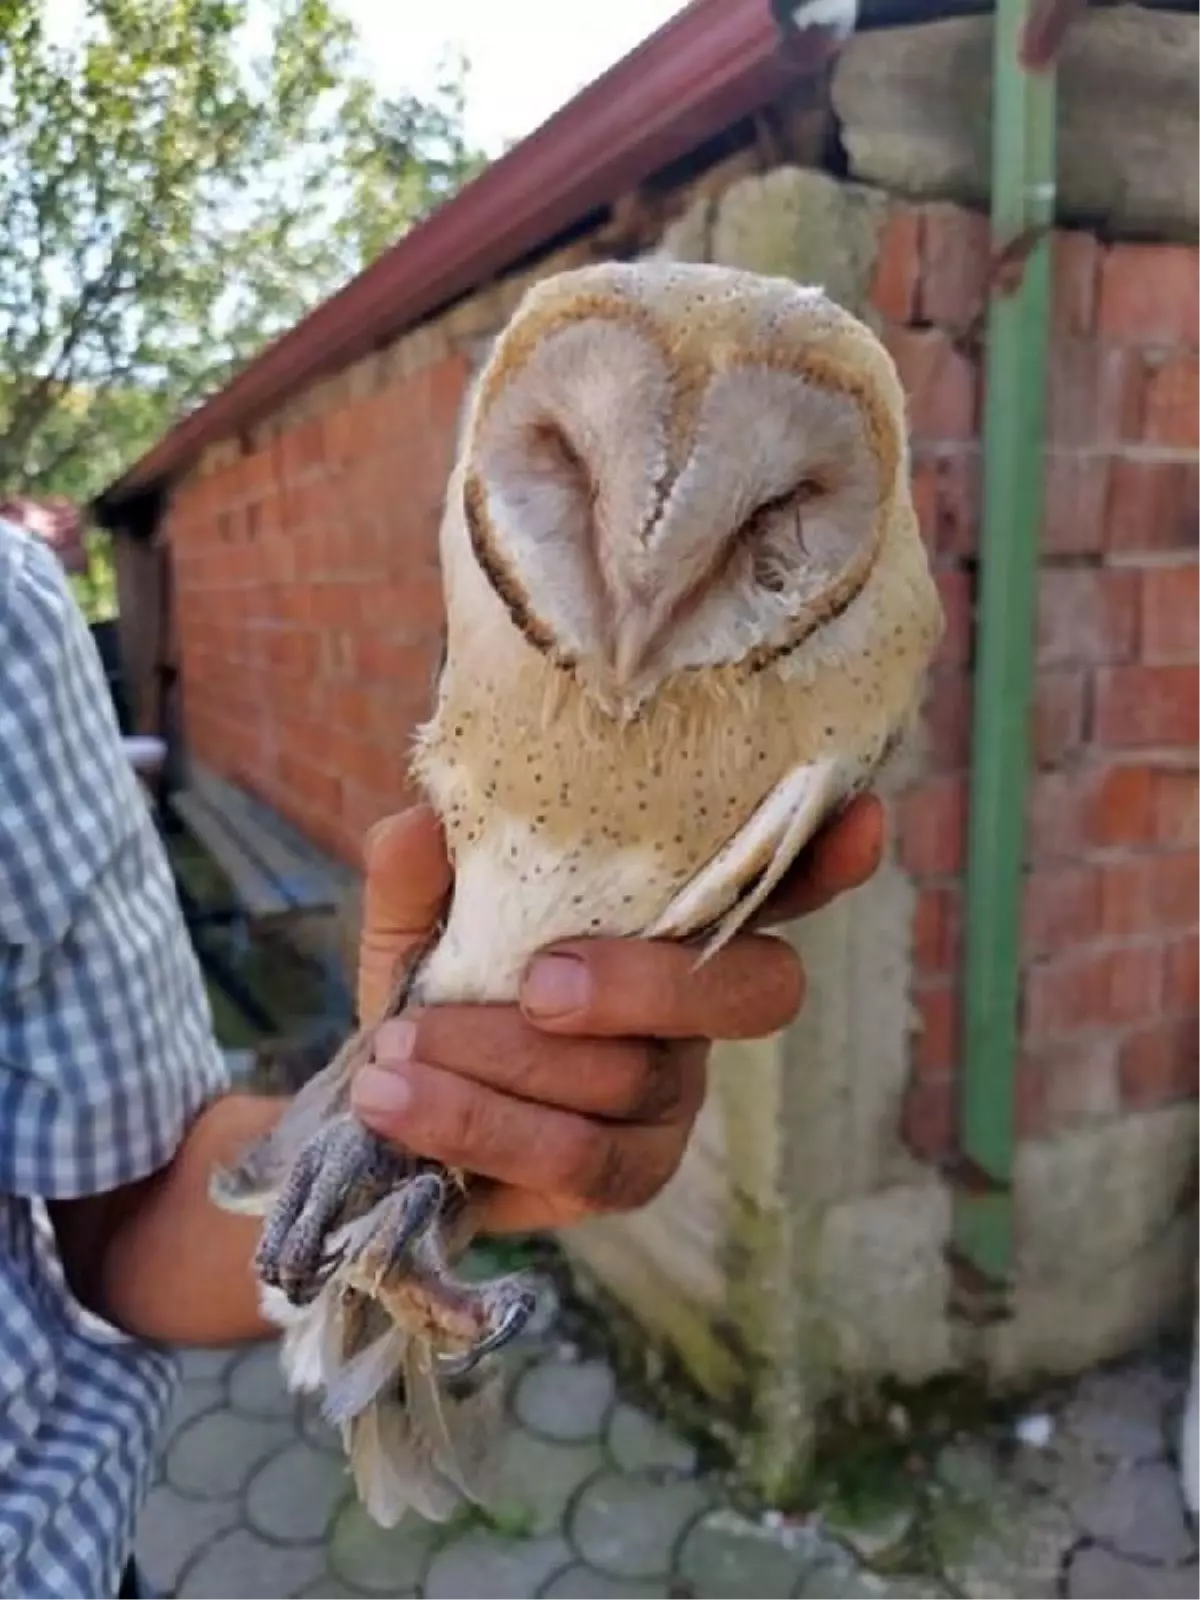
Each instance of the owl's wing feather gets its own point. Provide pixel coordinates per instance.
(725, 894)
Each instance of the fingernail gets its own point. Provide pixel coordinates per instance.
(394, 1041)
(555, 986)
(380, 1092)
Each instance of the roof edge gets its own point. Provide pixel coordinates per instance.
(710, 65)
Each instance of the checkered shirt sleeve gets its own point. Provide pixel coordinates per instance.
(106, 1042)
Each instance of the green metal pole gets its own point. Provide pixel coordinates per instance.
(1023, 201)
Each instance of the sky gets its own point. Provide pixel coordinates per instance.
(527, 57)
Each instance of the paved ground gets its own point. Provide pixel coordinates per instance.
(602, 1500)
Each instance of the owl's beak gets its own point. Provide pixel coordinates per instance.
(634, 638)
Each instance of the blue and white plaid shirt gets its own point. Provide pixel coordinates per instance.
(106, 1053)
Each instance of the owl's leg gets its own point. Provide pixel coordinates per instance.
(336, 1176)
(463, 1321)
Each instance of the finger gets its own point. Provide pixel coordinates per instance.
(653, 989)
(407, 880)
(842, 857)
(622, 1079)
(449, 1119)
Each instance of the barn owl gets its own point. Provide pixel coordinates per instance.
(688, 613)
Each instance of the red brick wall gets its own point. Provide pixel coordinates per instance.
(309, 605)
(1110, 914)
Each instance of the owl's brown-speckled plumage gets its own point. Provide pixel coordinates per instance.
(688, 612)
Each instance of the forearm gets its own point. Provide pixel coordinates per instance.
(159, 1259)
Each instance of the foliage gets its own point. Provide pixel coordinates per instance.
(181, 180)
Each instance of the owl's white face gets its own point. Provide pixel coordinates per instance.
(671, 467)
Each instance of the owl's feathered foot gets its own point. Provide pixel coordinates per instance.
(410, 1276)
(355, 1207)
(339, 1173)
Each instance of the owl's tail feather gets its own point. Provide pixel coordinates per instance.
(423, 1444)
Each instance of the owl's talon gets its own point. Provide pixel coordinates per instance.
(509, 1303)
(378, 1245)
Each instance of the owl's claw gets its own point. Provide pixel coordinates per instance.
(509, 1303)
(378, 1245)
(336, 1175)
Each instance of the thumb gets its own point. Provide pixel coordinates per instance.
(408, 879)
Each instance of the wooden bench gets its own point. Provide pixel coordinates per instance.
(275, 876)
(274, 873)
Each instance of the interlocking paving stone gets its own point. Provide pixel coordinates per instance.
(384, 1561)
(579, 1582)
(565, 1400)
(316, 1430)
(481, 1565)
(1005, 1546)
(205, 1361)
(535, 1479)
(1121, 1413)
(1139, 1511)
(1099, 1574)
(727, 1555)
(256, 1383)
(241, 1566)
(637, 1442)
(214, 1454)
(834, 1583)
(329, 1588)
(293, 1495)
(171, 1530)
(192, 1398)
(629, 1526)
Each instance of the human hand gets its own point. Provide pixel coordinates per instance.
(581, 1098)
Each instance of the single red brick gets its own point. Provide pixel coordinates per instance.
(1061, 910)
(947, 721)
(1181, 974)
(940, 382)
(937, 931)
(1172, 406)
(1091, 989)
(1120, 806)
(1075, 498)
(1151, 505)
(1087, 614)
(1175, 895)
(898, 264)
(1128, 897)
(1158, 1063)
(955, 254)
(931, 824)
(935, 1052)
(946, 494)
(1148, 294)
(1059, 715)
(1176, 806)
(928, 1119)
(955, 588)
(1170, 607)
(1140, 706)
(1074, 266)
(1095, 394)
(1065, 1083)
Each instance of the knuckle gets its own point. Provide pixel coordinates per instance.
(597, 1170)
(464, 1126)
(657, 1085)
